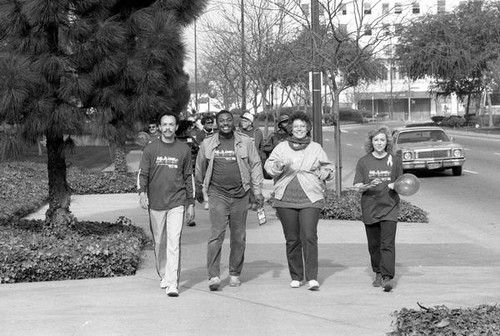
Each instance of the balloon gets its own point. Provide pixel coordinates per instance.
(407, 184)
(212, 93)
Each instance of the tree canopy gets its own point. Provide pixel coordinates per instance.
(61, 62)
(455, 49)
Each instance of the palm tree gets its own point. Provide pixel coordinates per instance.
(59, 60)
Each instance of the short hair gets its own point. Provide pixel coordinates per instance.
(221, 112)
(206, 118)
(303, 117)
(379, 130)
(172, 114)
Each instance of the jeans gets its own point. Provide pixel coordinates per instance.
(300, 227)
(382, 247)
(226, 210)
(166, 228)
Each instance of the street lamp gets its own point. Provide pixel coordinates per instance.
(195, 70)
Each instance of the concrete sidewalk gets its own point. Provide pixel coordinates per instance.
(434, 267)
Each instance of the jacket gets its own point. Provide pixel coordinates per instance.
(247, 158)
(304, 164)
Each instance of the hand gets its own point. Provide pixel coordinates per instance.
(391, 186)
(199, 194)
(190, 213)
(259, 200)
(323, 173)
(143, 200)
(279, 165)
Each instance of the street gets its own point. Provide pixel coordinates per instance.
(465, 203)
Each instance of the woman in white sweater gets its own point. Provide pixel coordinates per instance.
(299, 168)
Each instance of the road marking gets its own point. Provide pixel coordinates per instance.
(349, 145)
(496, 153)
(470, 171)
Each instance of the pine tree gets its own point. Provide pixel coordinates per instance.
(68, 62)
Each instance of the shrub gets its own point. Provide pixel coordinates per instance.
(91, 250)
(440, 320)
(83, 181)
(348, 207)
(24, 188)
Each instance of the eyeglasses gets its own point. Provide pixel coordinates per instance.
(151, 127)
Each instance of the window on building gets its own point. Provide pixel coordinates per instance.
(394, 73)
(367, 8)
(441, 6)
(343, 9)
(305, 8)
(385, 8)
(416, 8)
(398, 9)
(368, 29)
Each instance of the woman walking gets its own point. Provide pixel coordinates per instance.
(374, 179)
(300, 168)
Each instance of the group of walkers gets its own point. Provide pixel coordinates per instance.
(229, 167)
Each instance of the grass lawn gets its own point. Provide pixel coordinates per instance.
(90, 157)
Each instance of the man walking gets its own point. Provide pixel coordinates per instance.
(228, 166)
(165, 182)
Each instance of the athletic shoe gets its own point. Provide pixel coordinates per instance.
(378, 280)
(163, 285)
(295, 284)
(193, 223)
(234, 281)
(313, 285)
(172, 291)
(387, 284)
(214, 283)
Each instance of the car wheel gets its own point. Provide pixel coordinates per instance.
(457, 171)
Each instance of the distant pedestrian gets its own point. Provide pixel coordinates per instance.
(376, 173)
(153, 131)
(300, 167)
(208, 128)
(166, 188)
(247, 127)
(184, 134)
(280, 135)
(228, 166)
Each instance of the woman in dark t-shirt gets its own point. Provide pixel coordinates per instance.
(374, 179)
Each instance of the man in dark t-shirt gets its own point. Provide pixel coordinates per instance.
(228, 167)
(165, 182)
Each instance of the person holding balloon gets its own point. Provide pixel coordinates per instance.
(376, 173)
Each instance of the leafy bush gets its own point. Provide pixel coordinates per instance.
(28, 253)
(440, 320)
(83, 182)
(348, 207)
(24, 188)
(25, 185)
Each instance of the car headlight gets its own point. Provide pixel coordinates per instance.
(457, 152)
(407, 156)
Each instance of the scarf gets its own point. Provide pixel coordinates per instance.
(298, 144)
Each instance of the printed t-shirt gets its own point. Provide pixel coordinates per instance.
(226, 177)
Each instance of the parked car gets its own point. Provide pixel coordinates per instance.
(428, 148)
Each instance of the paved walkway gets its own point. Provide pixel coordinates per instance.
(434, 267)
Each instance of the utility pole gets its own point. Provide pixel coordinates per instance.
(195, 71)
(316, 75)
(243, 60)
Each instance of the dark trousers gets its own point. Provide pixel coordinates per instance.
(382, 247)
(300, 227)
(227, 211)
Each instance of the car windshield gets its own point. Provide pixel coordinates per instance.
(421, 136)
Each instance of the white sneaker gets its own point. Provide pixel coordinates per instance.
(234, 281)
(163, 285)
(295, 284)
(214, 283)
(313, 285)
(172, 291)
(205, 205)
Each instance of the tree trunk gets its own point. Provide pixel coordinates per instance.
(58, 216)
